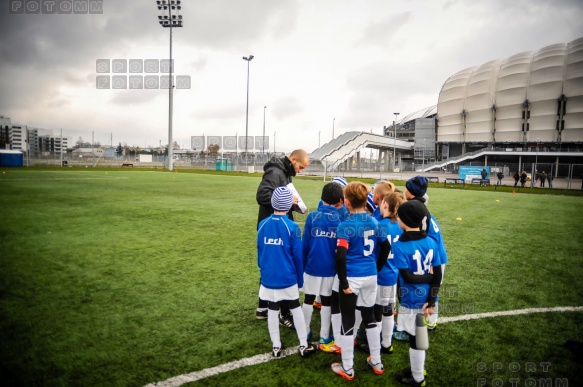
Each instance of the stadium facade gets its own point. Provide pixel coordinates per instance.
(530, 100)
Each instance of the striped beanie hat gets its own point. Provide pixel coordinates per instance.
(282, 199)
(340, 180)
(369, 203)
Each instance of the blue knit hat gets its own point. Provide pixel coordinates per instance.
(340, 180)
(417, 186)
(369, 202)
(282, 199)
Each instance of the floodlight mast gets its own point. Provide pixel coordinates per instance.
(248, 59)
(170, 18)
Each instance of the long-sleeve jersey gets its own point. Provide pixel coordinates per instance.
(415, 251)
(389, 273)
(279, 252)
(319, 241)
(361, 237)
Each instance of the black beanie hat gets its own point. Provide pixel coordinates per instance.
(412, 213)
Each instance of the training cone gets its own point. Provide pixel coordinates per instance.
(513, 192)
(458, 218)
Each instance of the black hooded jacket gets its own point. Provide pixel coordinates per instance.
(277, 173)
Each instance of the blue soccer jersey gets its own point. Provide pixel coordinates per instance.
(279, 252)
(360, 234)
(377, 214)
(434, 233)
(319, 241)
(417, 256)
(389, 273)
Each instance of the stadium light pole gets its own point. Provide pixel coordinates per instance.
(248, 59)
(334, 119)
(263, 139)
(170, 18)
(395, 140)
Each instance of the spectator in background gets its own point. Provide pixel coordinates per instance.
(516, 178)
(522, 179)
(550, 179)
(536, 176)
(500, 176)
(484, 175)
(543, 177)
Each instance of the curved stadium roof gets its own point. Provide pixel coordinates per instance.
(490, 103)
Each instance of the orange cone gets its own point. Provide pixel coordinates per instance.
(513, 192)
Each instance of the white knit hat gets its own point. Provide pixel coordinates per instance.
(340, 180)
(282, 199)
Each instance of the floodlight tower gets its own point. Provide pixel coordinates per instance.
(170, 17)
(395, 140)
(248, 59)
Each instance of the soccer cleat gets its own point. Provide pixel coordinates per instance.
(431, 326)
(307, 351)
(286, 321)
(408, 380)
(317, 305)
(261, 314)
(377, 368)
(389, 351)
(407, 372)
(330, 348)
(329, 340)
(339, 370)
(401, 336)
(276, 351)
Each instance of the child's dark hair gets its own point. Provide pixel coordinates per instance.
(332, 193)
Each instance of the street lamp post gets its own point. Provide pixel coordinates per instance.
(263, 139)
(248, 59)
(170, 18)
(395, 140)
(333, 128)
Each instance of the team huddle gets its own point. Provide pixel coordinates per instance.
(360, 252)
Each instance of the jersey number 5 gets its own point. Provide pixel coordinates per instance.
(368, 243)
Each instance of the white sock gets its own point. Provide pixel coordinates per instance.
(325, 317)
(374, 344)
(417, 359)
(347, 345)
(300, 325)
(273, 326)
(336, 324)
(388, 325)
(307, 310)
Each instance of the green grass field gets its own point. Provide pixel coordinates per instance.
(132, 277)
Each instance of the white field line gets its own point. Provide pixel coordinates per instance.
(258, 359)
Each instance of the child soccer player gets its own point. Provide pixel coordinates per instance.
(388, 275)
(417, 190)
(379, 191)
(279, 256)
(358, 238)
(319, 245)
(414, 257)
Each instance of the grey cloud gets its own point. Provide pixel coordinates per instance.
(133, 97)
(287, 107)
(381, 33)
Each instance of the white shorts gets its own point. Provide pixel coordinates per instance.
(386, 295)
(319, 286)
(365, 288)
(406, 319)
(336, 284)
(276, 295)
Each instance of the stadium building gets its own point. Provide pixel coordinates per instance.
(503, 111)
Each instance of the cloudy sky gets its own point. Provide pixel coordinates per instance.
(355, 61)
